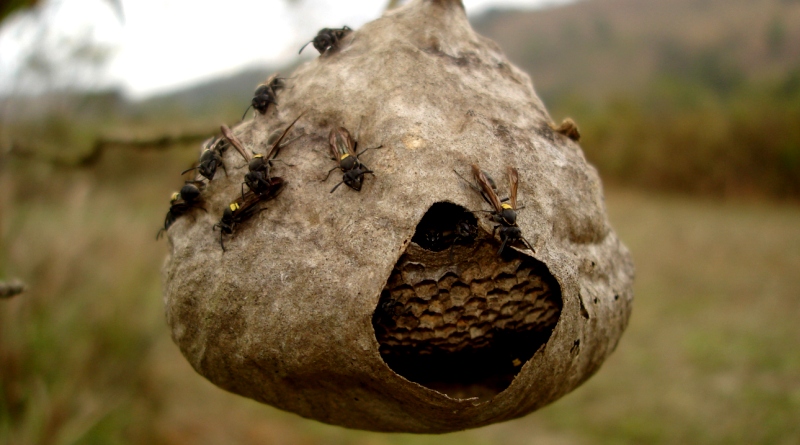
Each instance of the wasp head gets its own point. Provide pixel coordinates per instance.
(262, 97)
(354, 178)
(209, 161)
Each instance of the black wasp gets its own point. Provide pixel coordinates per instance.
(257, 178)
(266, 94)
(327, 39)
(211, 159)
(245, 207)
(343, 150)
(505, 214)
(181, 203)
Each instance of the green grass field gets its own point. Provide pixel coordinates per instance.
(712, 354)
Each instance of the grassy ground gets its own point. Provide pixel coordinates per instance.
(712, 354)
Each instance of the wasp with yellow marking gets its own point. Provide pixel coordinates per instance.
(257, 178)
(245, 207)
(343, 151)
(504, 213)
(181, 203)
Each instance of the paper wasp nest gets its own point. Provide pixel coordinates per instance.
(390, 309)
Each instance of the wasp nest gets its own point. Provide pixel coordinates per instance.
(463, 274)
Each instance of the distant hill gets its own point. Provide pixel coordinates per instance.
(596, 47)
(220, 92)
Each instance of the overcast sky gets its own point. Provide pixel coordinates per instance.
(161, 45)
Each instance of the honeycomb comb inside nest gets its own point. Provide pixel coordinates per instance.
(457, 317)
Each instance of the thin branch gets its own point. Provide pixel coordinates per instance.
(91, 158)
(8, 290)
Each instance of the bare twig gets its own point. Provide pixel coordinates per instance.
(8, 290)
(91, 158)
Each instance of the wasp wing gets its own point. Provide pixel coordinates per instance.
(237, 144)
(248, 199)
(276, 147)
(488, 192)
(513, 179)
(341, 143)
(275, 187)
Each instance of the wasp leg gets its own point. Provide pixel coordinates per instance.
(329, 174)
(502, 245)
(370, 148)
(528, 245)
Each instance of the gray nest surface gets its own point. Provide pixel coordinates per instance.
(390, 309)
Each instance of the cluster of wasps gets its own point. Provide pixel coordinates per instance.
(262, 186)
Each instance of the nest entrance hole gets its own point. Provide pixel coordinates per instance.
(457, 318)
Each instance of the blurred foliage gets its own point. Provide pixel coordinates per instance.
(7, 7)
(712, 354)
(713, 134)
(697, 96)
(21, 6)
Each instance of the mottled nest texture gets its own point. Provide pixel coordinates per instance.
(390, 308)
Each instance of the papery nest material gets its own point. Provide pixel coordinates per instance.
(324, 305)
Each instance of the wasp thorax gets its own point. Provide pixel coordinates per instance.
(257, 163)
(509, 216)
(348, 162)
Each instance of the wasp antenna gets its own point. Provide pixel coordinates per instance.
(304, 47)
(187, 171)
(337, 186)
(245, 112)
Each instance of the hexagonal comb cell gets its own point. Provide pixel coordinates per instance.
(456, 317)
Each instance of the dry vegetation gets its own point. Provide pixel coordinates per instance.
(698, 96)
(712, 354)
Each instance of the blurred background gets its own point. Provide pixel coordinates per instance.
(690, 109)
